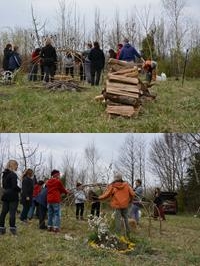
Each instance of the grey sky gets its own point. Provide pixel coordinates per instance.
(108, 145)
(18, 12)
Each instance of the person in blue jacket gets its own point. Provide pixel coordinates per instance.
(129, 53)
(41, 200)
(14, 60)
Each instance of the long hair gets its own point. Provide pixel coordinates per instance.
(28, 172)
(11, 165)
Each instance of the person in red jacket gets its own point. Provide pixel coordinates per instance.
(54, 190)
(121, 195)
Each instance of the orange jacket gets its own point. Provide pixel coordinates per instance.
(120, 193)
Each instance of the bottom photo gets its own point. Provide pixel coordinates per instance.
(99, 199)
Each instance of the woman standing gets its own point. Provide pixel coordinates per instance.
(10, 197)
(27, 193)
(158, 209)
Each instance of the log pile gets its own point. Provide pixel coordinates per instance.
(124, 92)
(64, 85)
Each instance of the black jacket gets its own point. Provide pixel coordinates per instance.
(27, 189)
(11, 190)
(97, 58)
(6, 57)
(48, 55)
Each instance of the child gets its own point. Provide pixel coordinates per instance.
(80, 198)
(95, 207)
(69, 64)
(150, 68)
(54, 190)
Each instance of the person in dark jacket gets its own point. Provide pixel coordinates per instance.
(49, 60)
(6, 56)
(97, 60)
(129, 53)
(41, 200)
(14, 60)
(158, 209)
(27, 193)
(10, 197)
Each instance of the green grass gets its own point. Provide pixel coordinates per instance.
(177, 245)
(24, 108)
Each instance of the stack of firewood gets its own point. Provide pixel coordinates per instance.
(124, 92)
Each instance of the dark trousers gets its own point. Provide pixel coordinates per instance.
(69, 70)
(49, 71)
(42, 216)
(26, 206)
(79, 210)
(10, 207)
(95, 76)
(95, 209)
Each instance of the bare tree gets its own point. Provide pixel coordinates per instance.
(92, 158)
(131, 161)
(174, 10)
(167, 161)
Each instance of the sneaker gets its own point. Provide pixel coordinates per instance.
(50, 229)
(56, 230)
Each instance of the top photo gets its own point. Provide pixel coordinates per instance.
(74, 66)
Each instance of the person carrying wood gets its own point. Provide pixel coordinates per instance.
(149, 67)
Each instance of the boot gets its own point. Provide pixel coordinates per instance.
(2, 230)
(13, 230)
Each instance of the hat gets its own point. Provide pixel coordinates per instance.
(55, 172)
(117, 177)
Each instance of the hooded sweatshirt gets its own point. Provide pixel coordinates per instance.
(120, 193)
(54, 190)
(128, 53)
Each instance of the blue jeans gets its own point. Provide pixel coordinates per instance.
(54, 215)
(135, 212)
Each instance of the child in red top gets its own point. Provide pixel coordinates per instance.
(54, 190)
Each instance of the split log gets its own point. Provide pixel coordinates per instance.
(122, 87)
(126, 71)
(121, 63)
(121, 99)
(122, 79)
(123, 110)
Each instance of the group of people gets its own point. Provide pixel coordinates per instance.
(11, 58)
(46, 196)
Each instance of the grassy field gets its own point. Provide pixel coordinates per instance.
(178, 245)
(27, 108)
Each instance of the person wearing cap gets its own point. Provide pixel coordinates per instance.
(80, 198)
(129, 53)
(54, 190)
(121, 195)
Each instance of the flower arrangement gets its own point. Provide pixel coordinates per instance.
(101, 237)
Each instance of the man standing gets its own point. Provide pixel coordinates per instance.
(97, 62)
(121, 195)
(129, 53)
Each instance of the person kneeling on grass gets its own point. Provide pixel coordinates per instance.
(121, 195)
(54, 190)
